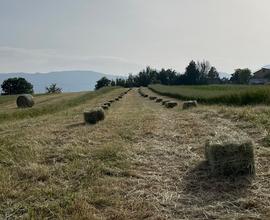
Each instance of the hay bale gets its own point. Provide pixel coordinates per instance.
(145, 95)
(165, 101)
(170, 104)
(105, 107)
(107, 103)
(230, 154)
(159, 100)
(94, 115)
(111, 101)
(152, 97)
(25, 101)
(190, 104)
(116, 99)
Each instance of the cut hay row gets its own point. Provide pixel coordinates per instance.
(97, 114)
(142, 93)
(169, 103)
(166, 103)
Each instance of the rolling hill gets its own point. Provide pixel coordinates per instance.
(69, 81)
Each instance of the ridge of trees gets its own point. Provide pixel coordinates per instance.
(196, 73)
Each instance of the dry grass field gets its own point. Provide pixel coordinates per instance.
(143, 161)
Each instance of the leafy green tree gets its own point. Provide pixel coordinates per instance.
(130, 81)
(213, 76)
(192, 74)
(16, 85)
(102, 83)
(113, 83)
(204, 68)
(53, 88)
(120, 82)
(241, 76)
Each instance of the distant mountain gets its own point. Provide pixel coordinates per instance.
(69, 81)
(224, 75)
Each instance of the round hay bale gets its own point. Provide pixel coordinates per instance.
(111, 101)
(145, 96)
(25, 101)
(170, 104)
(105, 107)
(94, 115)
(159, 100)
(152, 97)
(189, 104)
(116, 99)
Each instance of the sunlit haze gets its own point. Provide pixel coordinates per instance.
(123, 36)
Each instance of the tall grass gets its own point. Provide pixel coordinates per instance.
(51, 107)
(217, 94)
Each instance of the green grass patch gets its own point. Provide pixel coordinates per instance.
(50, 108)
(217, 94)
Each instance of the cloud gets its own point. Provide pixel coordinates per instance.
(46, 60)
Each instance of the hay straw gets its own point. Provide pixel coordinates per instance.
(190, 104)
(230, 154)
(94, 115)
(170, 104)
(25, 101)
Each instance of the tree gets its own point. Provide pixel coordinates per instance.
(213, 76)
(102, 83)
(113, 83)
(120, 82)
(192, 74)
(204, 68)
(16, 85)
(241, 76)
(53, 89)
(130, 81)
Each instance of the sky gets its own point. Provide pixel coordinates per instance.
(124, 36)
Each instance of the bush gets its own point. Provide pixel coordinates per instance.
(53, 89)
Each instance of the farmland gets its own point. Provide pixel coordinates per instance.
(218, 94)
(142, 161)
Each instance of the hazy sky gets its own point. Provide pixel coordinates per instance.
(122, 36)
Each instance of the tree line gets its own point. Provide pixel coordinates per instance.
(196, 73)
(19, 85)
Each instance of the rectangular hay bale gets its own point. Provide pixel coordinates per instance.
(229, 155)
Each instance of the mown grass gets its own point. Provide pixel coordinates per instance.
(217, 94)
(48, 108)
(51, 170)
(258, 116)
